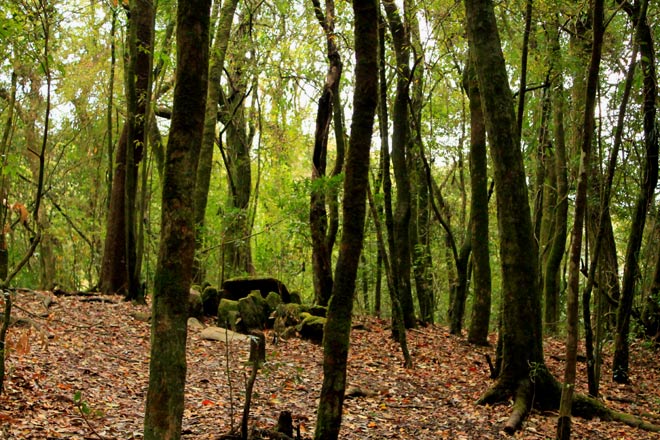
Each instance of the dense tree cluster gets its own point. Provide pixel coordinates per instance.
(442, 151)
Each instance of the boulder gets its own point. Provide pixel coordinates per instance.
(237, 288)
(311, 327)
(228, 313)
(222, 335)
(253, 311)
(195, 304)
(210, 300)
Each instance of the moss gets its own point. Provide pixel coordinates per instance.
(311, 327)
(254, 311)
(210, 300)
(228, 313)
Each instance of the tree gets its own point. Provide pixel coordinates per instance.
(522, 352)
(479, 324)
(649, 181)
(167, 367)
(205, 166)
(119, 266)
(401, 255)
(566, 402)
(323, 237)
(338, 326)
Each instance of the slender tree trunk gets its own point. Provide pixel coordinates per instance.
(620, 367)
(338, 324)
(167, 367)
(205, 166)
(401, 262)
(573, 295)
(479, 325)
(420, 215)
(118, 270)
(552, 269)
(237, 249)
(318, 215)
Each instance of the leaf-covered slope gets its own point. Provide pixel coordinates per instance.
(98, 351)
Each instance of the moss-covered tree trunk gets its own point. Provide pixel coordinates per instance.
(237, 249)
(479, 324)
(318, 215)
(401, 255)
(119, 264)
(620, 371)
(338, 326)
(523, 373)
(575, 252)
(557, 244)
(217, 60)
(167, 368)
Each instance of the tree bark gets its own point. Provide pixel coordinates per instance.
(479, 325)
(205, 166)
(119, 265)
(573, 295)
(620, 371)
(338, 324)
(401, 263)
(522, 352)
(318, 214)
(167, 368)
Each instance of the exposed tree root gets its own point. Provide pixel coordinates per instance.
(543, 392)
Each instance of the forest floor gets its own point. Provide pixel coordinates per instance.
(78, 369)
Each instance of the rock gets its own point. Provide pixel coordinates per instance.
(228, 313)
(222, 334)
(194, 324)
(273, 300)
(318, 311)
(195, 304)
(294, 297)
(287, 317)
(237, 288)
(253, 310)
(141, 316)
(210, 300)
(311, 327)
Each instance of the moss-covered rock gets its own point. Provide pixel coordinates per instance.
(195, 309)
(254, 311)
(273, 300)
(228, 314)
(210, 300)
(295, 298)
(287, 317)
(311, 327)
(318, 311)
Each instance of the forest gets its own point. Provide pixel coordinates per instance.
(302, 219)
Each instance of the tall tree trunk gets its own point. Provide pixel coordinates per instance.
(167, 367)
(620, 366)
(557, 245)
(236, 249)
(522, 350)
(338, 325)
(573, 295)
(318, 215)
(205, 166)
(420, 215)
(479, 325)
(118, 269)
(401, 263)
